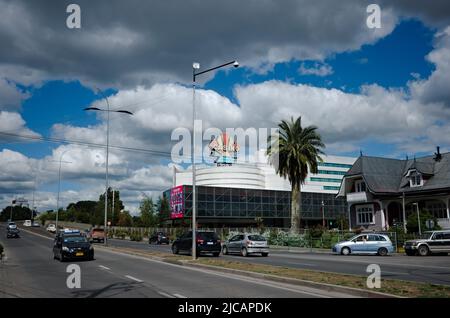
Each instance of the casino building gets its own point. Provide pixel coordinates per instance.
(236, 195)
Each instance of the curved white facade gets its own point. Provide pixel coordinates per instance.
(262, 176)
(231, 176)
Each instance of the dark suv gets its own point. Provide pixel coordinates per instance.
(159, 238)
(72, 245)
(207, 243)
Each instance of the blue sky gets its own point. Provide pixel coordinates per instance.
(388, 63)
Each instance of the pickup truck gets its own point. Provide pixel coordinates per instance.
(97, 235)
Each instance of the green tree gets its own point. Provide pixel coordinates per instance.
(412, 224)
(98, 216)
(292, 152)
(125, 219)
(163, 209)
(148, 216)
(18, 213)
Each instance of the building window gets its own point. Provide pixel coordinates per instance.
(316, 179)
(360, 186)
(334, 165)
(331, 188)
(415, 179)
(364, 215)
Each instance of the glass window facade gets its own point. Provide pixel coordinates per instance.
(235, 203)
(335, 165)
(337, 173)
(325, 180)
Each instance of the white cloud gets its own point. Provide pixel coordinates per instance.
(10, 96)
(318, 69)
(12, 124)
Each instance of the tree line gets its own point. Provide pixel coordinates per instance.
(151, 214)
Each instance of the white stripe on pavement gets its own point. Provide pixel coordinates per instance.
(104, 267)
(166, 295)
(179, 296)
(134, 278)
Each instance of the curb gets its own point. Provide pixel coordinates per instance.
(294, 281)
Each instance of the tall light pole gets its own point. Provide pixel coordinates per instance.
(196, 66)
(59, 186)
(418, 216)
(323, 214)
(107, 149)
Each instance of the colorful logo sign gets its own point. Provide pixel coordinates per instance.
(177, 202)
(224, 149)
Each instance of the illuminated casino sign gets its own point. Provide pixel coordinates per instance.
(224, 149)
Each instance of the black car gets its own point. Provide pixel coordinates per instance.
(12, 233)
(207, 243)
(159, 238)
(72, 245)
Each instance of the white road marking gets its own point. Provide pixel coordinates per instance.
(134, 278)
(179, 296)
(104, 267)
(166, 295)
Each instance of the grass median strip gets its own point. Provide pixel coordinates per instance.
(388, 286)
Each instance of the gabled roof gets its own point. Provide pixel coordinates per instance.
(384, 175)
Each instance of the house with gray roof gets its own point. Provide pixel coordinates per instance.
(381, 192)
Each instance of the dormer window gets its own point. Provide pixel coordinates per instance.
(415, 179)
(360, 186)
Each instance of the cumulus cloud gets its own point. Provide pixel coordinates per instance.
(11, 124)
(122, 46)
(10, 96)
(318, 69)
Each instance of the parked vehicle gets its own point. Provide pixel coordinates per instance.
(207, 243)
(51, 228)
(379, 244)
(11, 225)
(27, 223)
(35, 224)
(71, 244)
(246, 244)
(12, 233)
(429, 243)
(97, 235)
(159, 238)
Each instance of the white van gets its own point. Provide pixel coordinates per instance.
(27, 223)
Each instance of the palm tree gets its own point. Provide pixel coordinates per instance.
(291, 152)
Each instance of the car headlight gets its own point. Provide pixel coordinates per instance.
(65, 249)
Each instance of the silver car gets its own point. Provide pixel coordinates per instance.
(246, 244)
(379, 244)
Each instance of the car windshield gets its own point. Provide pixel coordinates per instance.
(74, 239)
(208, 235)
(425, 236)
(256, 238)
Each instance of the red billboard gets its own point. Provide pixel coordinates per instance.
(177, 202)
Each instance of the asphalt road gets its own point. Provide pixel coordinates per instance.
(29, 270)
(431, 269)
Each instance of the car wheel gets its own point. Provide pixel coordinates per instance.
(61, 257)
(175, 249)
(423, 250)
(244, 252)
(91, 257)
(382, 251)
(225, 250)
(345, 251)
(216, 254)
(265, 254)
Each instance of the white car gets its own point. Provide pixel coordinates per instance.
(51, 228)
(27, 223)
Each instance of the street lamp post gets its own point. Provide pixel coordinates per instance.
(323, 214)
(196, 66)
(59, 186)
(107, 149)
(418, 217)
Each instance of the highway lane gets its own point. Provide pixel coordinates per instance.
(431, 269)
(31, 271)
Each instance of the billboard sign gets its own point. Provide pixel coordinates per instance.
(176, 202)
